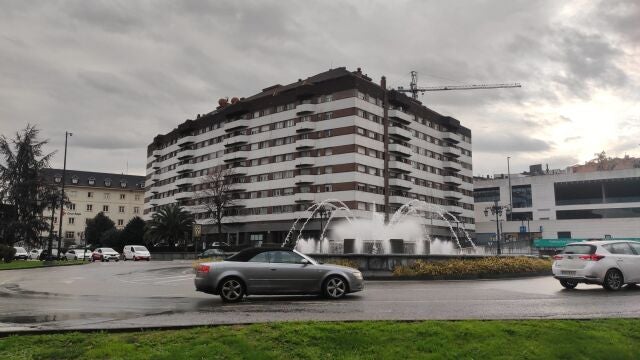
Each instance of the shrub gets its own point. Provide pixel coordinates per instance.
(343, 262)
(7, 253)
(488, 265)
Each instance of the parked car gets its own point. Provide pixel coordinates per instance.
(78, 254)
(21, 253)
(209, 253)
(34, 254)
(608, 263)
(270, 271)
(135, 253)
(44, 254)
(105, 254)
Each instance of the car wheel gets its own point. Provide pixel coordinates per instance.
(613, 280)
(231, 290)
(569, 284)
(334, 287)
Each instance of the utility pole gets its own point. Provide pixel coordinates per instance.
(64, 173)
(510, 192)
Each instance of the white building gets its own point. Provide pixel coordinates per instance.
(335, 135)
(586, 205)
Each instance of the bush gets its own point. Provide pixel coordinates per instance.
(343, 262)
(488, 265)
(7, 253)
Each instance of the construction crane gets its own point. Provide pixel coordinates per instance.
(414, 89)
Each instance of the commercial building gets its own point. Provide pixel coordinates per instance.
(561, 204)
(119, 197)
(335, 135)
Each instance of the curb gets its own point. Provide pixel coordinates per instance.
(44, 266)
(461, 277)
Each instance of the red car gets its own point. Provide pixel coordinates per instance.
(104, 254)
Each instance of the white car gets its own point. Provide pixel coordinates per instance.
(135, 253)
(608, 263)
(21, 253)
(78, 254)
(34, 254)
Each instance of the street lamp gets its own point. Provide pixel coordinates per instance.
(497, 210)
(64, 173)
(323, 213)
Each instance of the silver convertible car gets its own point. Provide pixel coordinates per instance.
(275, 271)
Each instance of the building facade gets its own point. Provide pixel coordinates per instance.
(561, 205)
(336, 135)
(119, 197)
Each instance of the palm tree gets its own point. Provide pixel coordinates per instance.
(170, 224)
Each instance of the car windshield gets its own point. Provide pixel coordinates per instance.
(20, 249)
(579, 249)
(108, 250)
(140, 248)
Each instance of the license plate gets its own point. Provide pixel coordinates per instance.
(564, 272)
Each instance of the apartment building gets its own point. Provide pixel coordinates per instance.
(335, 135)
(120, 197)
(561, 205)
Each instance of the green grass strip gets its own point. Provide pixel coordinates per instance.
(474, 339)
(24, 264)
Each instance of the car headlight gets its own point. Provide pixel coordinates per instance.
(358, 275)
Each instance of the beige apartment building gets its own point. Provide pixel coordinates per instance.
(120, 197)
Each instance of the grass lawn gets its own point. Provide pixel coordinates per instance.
(25, 264)
(525, 339)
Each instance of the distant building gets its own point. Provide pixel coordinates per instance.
(325, 137)
(120, 197)
(569, 205)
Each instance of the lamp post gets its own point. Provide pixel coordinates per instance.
(64, 173)
(496, 210)
(510, 192)
(323, 213)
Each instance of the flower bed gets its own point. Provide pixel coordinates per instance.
(469, 267)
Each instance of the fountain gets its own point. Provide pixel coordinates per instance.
(403, 234)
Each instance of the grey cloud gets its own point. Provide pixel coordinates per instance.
(507, 143)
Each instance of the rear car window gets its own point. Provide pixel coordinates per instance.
(579, 249)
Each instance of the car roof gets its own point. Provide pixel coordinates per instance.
(248, 254)
(599, 242)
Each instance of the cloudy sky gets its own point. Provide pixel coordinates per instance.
(116, 73)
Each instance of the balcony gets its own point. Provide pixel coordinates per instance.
(186, 140)
(400, 166)
(156, 165)
(400, 116)
(185, 195)
(238, 187)
(305, 161)
(400, 149)
(237, 171)
(305, 179)
(305, 144)
(183, 182)
(399, 199)
(453, 209)
(449, 179)
(154, 191)
(451, 165)
(156, 153)
(183, 168)
(305, 109)
(186, 153)
(236, 156)
(400, 183)
(305, 197)
(398, 132)
(451, 151)
(155, 177)
(237, 140)
(237, 124)
(452, 137)
(451, 194)
(305, 126)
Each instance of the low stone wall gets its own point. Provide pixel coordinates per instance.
(168, 256)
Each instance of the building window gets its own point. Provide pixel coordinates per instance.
(72, 221)
(137, 197)
(328, 188)
(107, 196)
(123, 184)
(92, 181)
(120, 222)
(69, 235)
(71, 206)
(74, 180)
(89, 194)
(107, 182)
(105, 208)
(564, 234)
(121, 209)
(122, 196)
(136, 210)
(521, 196)
(57, 178)
(89, 207)
(486, 195)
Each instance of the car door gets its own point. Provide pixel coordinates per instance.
(635, 260)
(293, 275)
(626, 260)
(259, 277)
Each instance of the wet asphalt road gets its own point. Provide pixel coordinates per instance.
(151, 294)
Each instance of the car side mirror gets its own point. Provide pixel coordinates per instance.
(304, 262)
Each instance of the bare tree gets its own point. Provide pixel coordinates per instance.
(216, 195)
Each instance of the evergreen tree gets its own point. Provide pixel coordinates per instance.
(23, 192)
(96, 227)
(133, 232)
(170, 225)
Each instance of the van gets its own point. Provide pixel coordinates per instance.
(135, 253)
